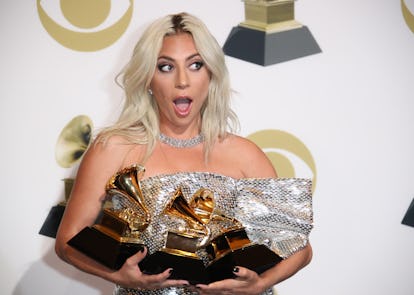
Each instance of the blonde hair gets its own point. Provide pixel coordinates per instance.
(139, 120)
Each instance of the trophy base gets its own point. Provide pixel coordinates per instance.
(52, 222)
(409, 215)
(103, 248)
(265, 49)
(184, 268)
(258, 258)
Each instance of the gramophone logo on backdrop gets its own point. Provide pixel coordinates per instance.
(270, 34)
(72, 143)
(407, 14)
(85, 25)
(407, 6)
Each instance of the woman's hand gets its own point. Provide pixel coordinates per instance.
(245, 282)
(250, 283)
(130, 276)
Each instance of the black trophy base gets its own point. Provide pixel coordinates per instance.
(265, 49)
(409, 215)
(52, 222)
(184, 268)
(103, 248)
(258, 258)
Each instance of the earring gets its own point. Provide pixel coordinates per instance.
(150, 92)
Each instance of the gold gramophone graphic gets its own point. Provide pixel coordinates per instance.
(72, 143)
(116, 235)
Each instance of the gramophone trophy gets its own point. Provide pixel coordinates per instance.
(232, 247)
(270, 34)
(181, 245)
(124, 216)
(223, 241)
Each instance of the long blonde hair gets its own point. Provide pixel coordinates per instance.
(139, 120)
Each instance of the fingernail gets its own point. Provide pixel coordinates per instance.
(170, 271)
(235, 269)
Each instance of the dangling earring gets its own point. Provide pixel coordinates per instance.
(150, 92)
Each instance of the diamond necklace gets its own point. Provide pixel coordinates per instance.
(181, 143)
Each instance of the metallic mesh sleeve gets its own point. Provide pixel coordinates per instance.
(276, 212)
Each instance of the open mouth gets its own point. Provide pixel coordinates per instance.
(183, 105)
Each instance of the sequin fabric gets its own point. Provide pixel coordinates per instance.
(275, 212)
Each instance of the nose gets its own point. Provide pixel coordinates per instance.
(182, 78)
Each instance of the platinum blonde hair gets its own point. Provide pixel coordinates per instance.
(139, 120)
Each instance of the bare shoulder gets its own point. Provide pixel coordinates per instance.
(252, 161)
(241, 143)
(105, 158)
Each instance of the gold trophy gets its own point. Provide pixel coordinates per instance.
(179, 252)
(234, 248)
(116, 235)
(231, 247)
(270, 15)
(220, 240)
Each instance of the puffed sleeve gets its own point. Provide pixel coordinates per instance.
(276, 212)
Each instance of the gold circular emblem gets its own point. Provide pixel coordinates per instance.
(408, 16)
(78, 12)
(85, 14)
(278, 145)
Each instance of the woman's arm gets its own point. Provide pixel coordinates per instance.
(98, 165)
(286, 268)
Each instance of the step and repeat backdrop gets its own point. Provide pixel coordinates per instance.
(327, 92)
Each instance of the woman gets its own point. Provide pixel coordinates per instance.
(176, 122)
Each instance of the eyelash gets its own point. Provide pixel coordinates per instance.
(162, 67)
(198, 64)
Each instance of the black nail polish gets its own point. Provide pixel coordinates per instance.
(170, 271)
(235, 269)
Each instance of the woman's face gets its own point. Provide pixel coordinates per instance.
(180, 83)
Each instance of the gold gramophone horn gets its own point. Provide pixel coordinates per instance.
(73, 141)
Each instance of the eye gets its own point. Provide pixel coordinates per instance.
(196, 65)
(165, 67)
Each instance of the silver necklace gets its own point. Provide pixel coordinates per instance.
(181, 143)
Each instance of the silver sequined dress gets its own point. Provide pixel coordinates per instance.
(275, 212)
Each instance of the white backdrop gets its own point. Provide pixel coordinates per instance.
(352, 106)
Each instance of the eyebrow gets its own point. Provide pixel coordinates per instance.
(172, 59)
